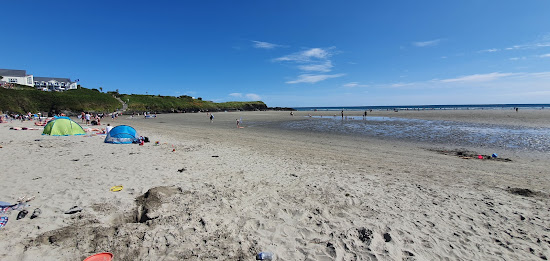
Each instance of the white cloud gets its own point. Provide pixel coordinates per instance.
(310, 61)
(323, 67)
(312, 78)
(253, 96)
(354, 84)
(265, 45)
(479, 77)
(313, 54)
(536, 45)
(489, 50)
(518, 58)
(545, 55)
(248, 96)
(427, 43)
(488, 79)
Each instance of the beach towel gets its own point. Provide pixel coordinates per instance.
(3, 221)
(4, 210)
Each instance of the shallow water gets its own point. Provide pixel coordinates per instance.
(431, 131)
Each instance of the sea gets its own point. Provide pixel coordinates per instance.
(433, 132)
(428, 107)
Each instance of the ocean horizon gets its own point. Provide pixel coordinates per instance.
(426, 107)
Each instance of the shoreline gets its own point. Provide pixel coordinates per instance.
(297, 194)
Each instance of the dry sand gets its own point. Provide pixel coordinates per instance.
(212, 191)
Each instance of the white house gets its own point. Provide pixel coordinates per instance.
(16, 76)
(54, 84)
(41, 83)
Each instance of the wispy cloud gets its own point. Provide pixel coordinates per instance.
(323, 67)
(427, 43)
(467, 81)
(492, 50)
(310, 55)
(545, 55)
(478, 77)
(517, 58)
(265, 45)
(542, 42)
(311, 78)
(248, 96)
(311, 60)
(354, 85)
(253, 96)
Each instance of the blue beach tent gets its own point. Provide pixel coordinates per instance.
(122, 134)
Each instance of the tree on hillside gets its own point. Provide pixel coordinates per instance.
(101, 89)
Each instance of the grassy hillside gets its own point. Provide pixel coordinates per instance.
(25, 99)
(158, 103)
(31, 100)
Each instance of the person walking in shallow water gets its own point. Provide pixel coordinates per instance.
(342, 114)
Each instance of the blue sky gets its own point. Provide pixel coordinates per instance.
(290, 53)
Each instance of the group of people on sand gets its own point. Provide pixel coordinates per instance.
(90, 118)
(4, 118)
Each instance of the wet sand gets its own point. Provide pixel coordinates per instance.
(212, 190)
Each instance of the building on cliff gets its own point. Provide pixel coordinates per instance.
(10, 76)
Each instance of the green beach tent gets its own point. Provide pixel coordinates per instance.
(63, 127)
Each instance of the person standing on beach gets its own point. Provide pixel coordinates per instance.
(108, 128)
(211, 117)
(365, 114)
(87, 116)
(238, 123)
(342, 114)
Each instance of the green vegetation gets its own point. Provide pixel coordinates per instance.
(27, 99)
(184, 103)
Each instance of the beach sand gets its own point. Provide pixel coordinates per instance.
(214, 191)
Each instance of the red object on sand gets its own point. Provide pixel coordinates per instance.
(100, 257)
(479, 157)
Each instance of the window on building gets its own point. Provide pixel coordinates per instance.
(29, 80)
(36, 83)
(50, 84)
(13, 80)
(63, 84)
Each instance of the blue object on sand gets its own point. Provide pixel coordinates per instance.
(494, 155)
(5, 204)
(3, 221)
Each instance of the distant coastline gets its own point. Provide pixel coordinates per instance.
(428, 107)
